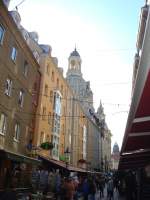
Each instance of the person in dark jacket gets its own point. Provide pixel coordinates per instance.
(85, 188)
(92, 189)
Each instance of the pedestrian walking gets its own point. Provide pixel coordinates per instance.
(101, 187)
(69, 189)
(44, 181)
(130, 182)
(85, 189)
(92, 189)
(110, 189)
(35, 179)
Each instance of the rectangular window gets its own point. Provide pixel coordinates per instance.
(48, 69)
(3, 124)
(46, 90)
(49, 118)
(21, 98)
(13, 54)
(44, 113)
(42, 137)
(25, 69)
(51, 96)
(57, 103)
(2, 31)
(8, 87)
(56, 124)
(52, 77)
(17, 132)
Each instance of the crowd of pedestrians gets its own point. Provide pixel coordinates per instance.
(82, 186)
(70, 187)
(73, 186)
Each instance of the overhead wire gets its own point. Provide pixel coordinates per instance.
(73, 99)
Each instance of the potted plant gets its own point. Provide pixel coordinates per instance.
(47, 145)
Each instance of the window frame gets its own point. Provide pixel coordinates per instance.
(13, 55)
(42, 137)
(8, 88)
(49, 118)
(25, 69)
(46, 90)
(48, 69)
(44, 113)
(36, 55)
(51, 96)
(2, 35)
(3, 128)
(53, 76)
(56, 124)
(21, 97)
(17, 132)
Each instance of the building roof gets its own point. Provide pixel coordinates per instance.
(115, 148)
(75, 53)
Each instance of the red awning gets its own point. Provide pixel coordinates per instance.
(135, 150)
(134, 160)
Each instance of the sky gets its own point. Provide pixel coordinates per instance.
(104, 33)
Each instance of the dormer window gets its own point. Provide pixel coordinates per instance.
(36, 55)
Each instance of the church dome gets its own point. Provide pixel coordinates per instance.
(75, 53)
(115, 148)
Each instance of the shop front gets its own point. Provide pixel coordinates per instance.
(15, 170)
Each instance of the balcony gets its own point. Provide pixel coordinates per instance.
(142, 26)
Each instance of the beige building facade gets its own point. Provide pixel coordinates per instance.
(19, 79)
(19, 74)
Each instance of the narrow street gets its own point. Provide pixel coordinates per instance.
(74, 100)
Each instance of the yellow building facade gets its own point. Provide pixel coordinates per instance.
(60, 119)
